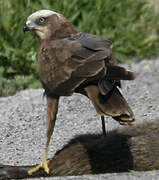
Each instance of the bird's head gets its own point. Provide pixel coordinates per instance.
(48, 24)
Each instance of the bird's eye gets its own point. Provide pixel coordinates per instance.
(42, 19)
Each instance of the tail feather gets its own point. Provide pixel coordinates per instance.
(114, 105)
(119, 73)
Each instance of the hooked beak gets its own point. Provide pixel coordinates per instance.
(26, 28)
(29, 26)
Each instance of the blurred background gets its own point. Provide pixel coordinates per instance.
(132, 25)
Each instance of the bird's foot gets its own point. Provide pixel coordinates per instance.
(42, 165)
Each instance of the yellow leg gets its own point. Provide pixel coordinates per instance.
(44, 163)
(52, 107)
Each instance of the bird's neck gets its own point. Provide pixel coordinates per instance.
(65, 30)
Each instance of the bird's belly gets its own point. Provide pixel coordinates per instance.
(65, 88)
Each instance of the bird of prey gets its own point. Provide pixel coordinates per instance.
(71, 61)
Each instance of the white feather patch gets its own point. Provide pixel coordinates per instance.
(43, 13)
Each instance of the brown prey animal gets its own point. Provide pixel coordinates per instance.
(71, 61)
(132, 148)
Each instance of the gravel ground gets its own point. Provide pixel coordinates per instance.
(22, 119)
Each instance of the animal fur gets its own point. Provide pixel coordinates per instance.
(122, 150)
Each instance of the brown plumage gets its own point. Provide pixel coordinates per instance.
(71, 61)
(122, 150)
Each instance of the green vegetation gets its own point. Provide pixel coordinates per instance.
(131, 25)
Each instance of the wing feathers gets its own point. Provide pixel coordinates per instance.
(115, 106)
(79, 61)
(94, 42)
(119, 73)
(86, 54)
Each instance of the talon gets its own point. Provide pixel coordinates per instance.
(46, 168)
(42, 165)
